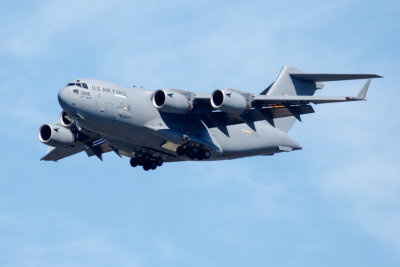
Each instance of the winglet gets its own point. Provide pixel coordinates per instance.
(363, 93)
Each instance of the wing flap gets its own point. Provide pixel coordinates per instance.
(217, 119)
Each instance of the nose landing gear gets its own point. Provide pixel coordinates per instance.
(147, 161)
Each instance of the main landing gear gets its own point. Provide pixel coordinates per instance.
(193, 152)
(147, 161)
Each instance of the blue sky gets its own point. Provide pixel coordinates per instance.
(336, 202)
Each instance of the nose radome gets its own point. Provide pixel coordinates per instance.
(63, 97)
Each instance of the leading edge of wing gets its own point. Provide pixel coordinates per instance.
(329, 77)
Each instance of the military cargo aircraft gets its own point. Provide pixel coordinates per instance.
(169, 125)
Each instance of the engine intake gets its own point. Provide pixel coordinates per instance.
(171, 102)
(66, 120)
(56, 135)
(229, 101)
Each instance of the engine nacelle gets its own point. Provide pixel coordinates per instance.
(229, 101)
(56, 135)
(66, 120)
(171, 102)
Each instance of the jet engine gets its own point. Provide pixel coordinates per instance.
(66, 120)
(55, 135)
(171, 102)
(229, 101)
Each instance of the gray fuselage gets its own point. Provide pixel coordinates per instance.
(127, 119)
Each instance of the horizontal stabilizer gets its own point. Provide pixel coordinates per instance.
(299, 100)
(327, 77)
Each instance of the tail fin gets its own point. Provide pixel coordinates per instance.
(292, 81)
(285, 85)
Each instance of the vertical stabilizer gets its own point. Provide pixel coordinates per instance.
(285, 84)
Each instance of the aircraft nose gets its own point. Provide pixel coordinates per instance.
(64, 96)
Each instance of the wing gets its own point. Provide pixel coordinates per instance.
(92, 144)
(57, 153)
(270, 107)
(276, 100)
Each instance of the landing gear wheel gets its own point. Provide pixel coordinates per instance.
(146, 157)
(134, 162)
(180, 151)
(187, 151)
(206, 154)
(159, 161)
(146, 167)
(139, 161)
(194, 151)
(153, 165)
(191, 152)
(200, 155)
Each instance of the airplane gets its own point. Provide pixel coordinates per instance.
(171, 125)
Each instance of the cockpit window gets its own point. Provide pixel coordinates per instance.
(84, 85)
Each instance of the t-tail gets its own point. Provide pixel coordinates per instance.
(294, 86)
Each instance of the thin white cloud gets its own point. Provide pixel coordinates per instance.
(87, 251)
(77, 243)
(367, 193)
(361, 166)
(169, 252)
(32, 31)
(264, 195)
(21, 116)
(222, 47)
